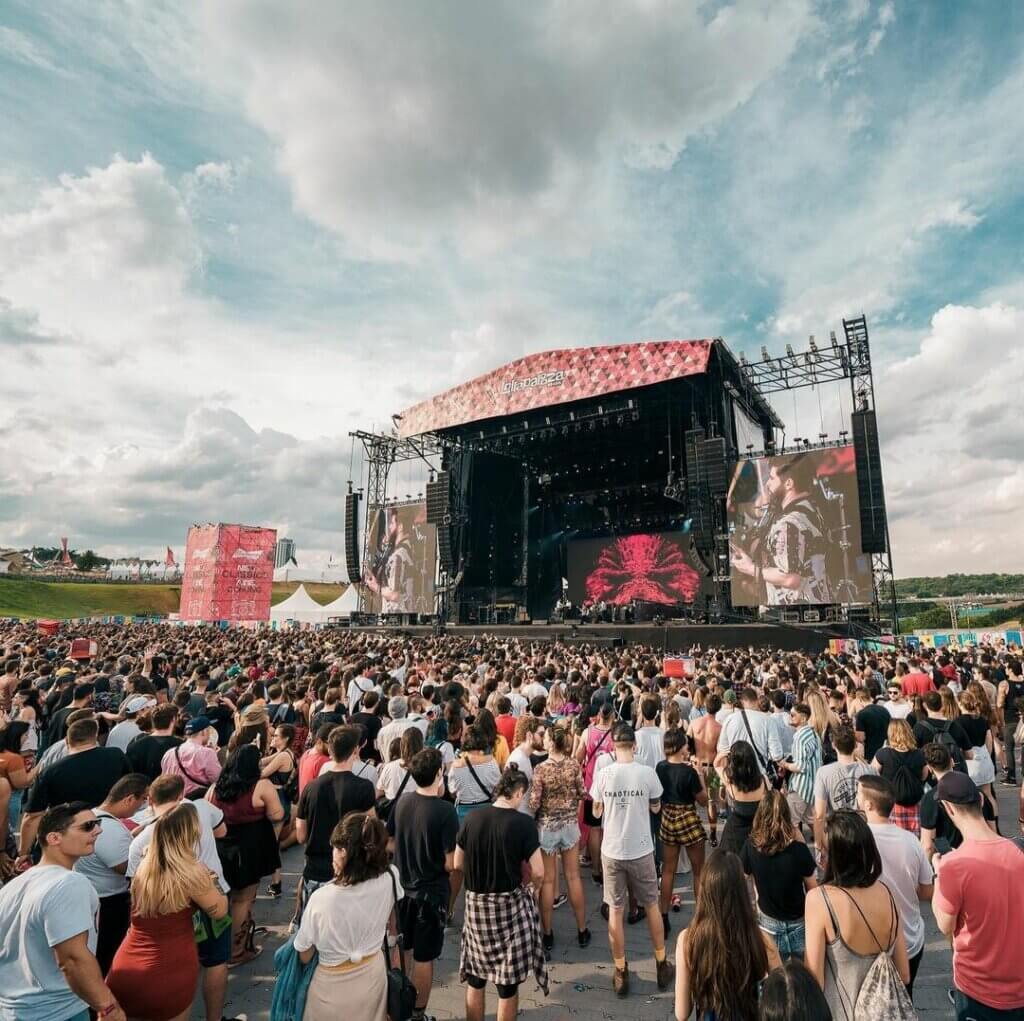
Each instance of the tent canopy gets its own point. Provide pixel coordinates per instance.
(300, 605)
(345, 604)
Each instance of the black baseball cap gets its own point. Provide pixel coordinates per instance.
(957, 788)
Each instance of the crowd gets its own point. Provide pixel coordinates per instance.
(823, 805)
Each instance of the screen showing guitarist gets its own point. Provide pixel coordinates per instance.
(393, 573)
(780, 555)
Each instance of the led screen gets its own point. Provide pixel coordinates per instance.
(402, 560)
(794, 524)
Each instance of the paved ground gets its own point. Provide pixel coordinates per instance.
(580, 979)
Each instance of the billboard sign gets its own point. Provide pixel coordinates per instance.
(229, 573)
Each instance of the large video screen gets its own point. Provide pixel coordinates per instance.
(654, 567)
(794, 523)
(402, 560)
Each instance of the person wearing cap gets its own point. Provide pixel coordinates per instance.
(128, 729)
(979, 902)
(624, 794)
(398, 710)
(193, 760)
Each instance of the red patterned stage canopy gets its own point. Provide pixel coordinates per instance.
(557, 377)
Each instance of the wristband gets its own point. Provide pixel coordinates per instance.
(108, 1009)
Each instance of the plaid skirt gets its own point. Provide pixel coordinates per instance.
(501, 939)
(681, 825)
(907, 817)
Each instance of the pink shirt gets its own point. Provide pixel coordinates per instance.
(193, 762)
(981, 884)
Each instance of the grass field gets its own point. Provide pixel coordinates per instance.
(70, 599)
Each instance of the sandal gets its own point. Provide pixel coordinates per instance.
(249, 949)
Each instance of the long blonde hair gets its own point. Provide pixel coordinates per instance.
(819, 713)
(900, 736)
(170, 875)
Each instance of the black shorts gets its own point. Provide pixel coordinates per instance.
(588, 815)
(422, 923)
(505, 992)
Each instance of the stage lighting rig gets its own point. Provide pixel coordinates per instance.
(675, 489)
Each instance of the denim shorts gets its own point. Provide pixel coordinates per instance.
(790, 937)
(555, 839)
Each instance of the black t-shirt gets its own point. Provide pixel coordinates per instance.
(873, 722)
(85, 776)
(679, 782)
(222, 720)
(58, 726)
(975, 728)
(323, 803)
(497, 842)
(424, 829)
(372, 724)
(934, 817)
(146, 752)
(928, 730)
(779, 879)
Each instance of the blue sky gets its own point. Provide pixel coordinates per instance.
(229, 236)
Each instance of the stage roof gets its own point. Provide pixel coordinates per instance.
(557, 377)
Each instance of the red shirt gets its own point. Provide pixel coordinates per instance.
(507, 728)
(917, 684)
(981, 884)
(309, 767)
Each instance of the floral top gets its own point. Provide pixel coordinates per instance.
(556, 792)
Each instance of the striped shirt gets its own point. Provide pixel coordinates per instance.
(807, 759)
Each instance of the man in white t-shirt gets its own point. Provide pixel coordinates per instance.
(532, 744)
(515, 696)
(358, 687)
(625, 793)
(165, 793)
(749, 724)
(906, 870)
(534, 688)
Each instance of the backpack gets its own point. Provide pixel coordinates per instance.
(907, 787)
(882, 996)
(946, 739)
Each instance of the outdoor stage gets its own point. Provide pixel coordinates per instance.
(667, 638)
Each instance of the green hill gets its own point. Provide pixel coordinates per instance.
(26, 598)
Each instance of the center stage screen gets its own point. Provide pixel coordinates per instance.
(402, 560)
(794, 524)
(656, 567)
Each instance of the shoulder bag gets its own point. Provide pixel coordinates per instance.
(401, 991)
(775, 776)
(487, 794)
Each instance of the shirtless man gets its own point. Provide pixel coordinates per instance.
(705, 731)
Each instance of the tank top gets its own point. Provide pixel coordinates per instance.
(241, 810)
(1014, 694)
(597, 741)
(845, 969)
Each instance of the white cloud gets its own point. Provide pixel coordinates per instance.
(400, 125)
(17, 46)
(953, 442)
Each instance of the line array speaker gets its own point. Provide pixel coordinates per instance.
(869, 481)
(352, 551)
(713, 468)
(444, 545)
(437, 499)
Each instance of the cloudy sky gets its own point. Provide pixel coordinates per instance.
(229, 236)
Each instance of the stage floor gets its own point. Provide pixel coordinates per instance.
(667, 638)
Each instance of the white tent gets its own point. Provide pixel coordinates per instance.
(345, 605)
(322, 576)
(300, 606)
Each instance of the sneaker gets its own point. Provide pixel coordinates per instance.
(666, 973)
(237, 1017)
(245, 957)
(583, 938)
(585, 861)
(635, 916)
(1008, 781)
(620, 981)
(274, 890)
(598, 879)
(677, 904)
(548, 939)
(604, 912)
(713, 838)
(559, 900)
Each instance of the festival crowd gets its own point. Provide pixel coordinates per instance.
(818, 806)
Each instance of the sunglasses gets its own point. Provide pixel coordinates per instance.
(88, 827)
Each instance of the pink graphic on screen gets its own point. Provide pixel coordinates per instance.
(651, 568)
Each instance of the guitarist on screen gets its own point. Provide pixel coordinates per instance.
(393, 575)
(786, 555)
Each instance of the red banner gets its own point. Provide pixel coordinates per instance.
(229, 571)
(557, 377)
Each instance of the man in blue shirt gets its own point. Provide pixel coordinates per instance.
(48, 967)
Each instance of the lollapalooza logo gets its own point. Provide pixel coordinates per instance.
(511, 386)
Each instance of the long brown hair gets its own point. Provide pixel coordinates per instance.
(773, 829)
(725, 952)
(900, 737)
